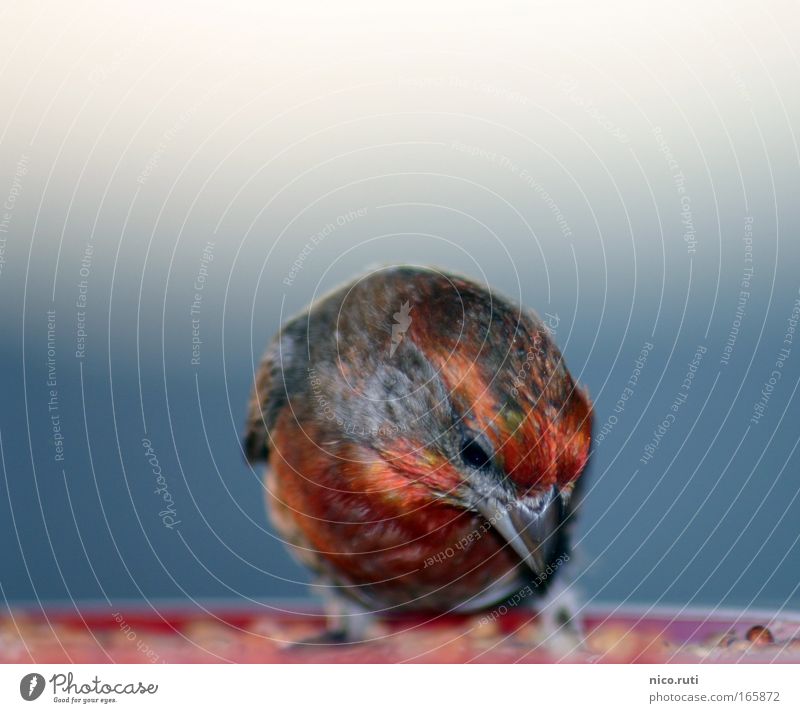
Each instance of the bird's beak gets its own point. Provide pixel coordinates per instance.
(527, 528)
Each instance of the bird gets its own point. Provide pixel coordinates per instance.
(424, 444)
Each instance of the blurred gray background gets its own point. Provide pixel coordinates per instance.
(633, 175)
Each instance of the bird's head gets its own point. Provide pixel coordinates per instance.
(476, 408)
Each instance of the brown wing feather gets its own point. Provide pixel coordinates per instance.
(255, 441)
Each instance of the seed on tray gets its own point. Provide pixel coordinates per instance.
(760, 636)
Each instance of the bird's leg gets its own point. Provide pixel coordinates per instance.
(347, 621)
(559, 613)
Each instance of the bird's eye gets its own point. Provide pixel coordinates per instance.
(473, 454)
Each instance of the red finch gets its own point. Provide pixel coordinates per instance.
(423, 438)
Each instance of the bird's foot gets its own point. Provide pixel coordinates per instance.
(329, 637)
